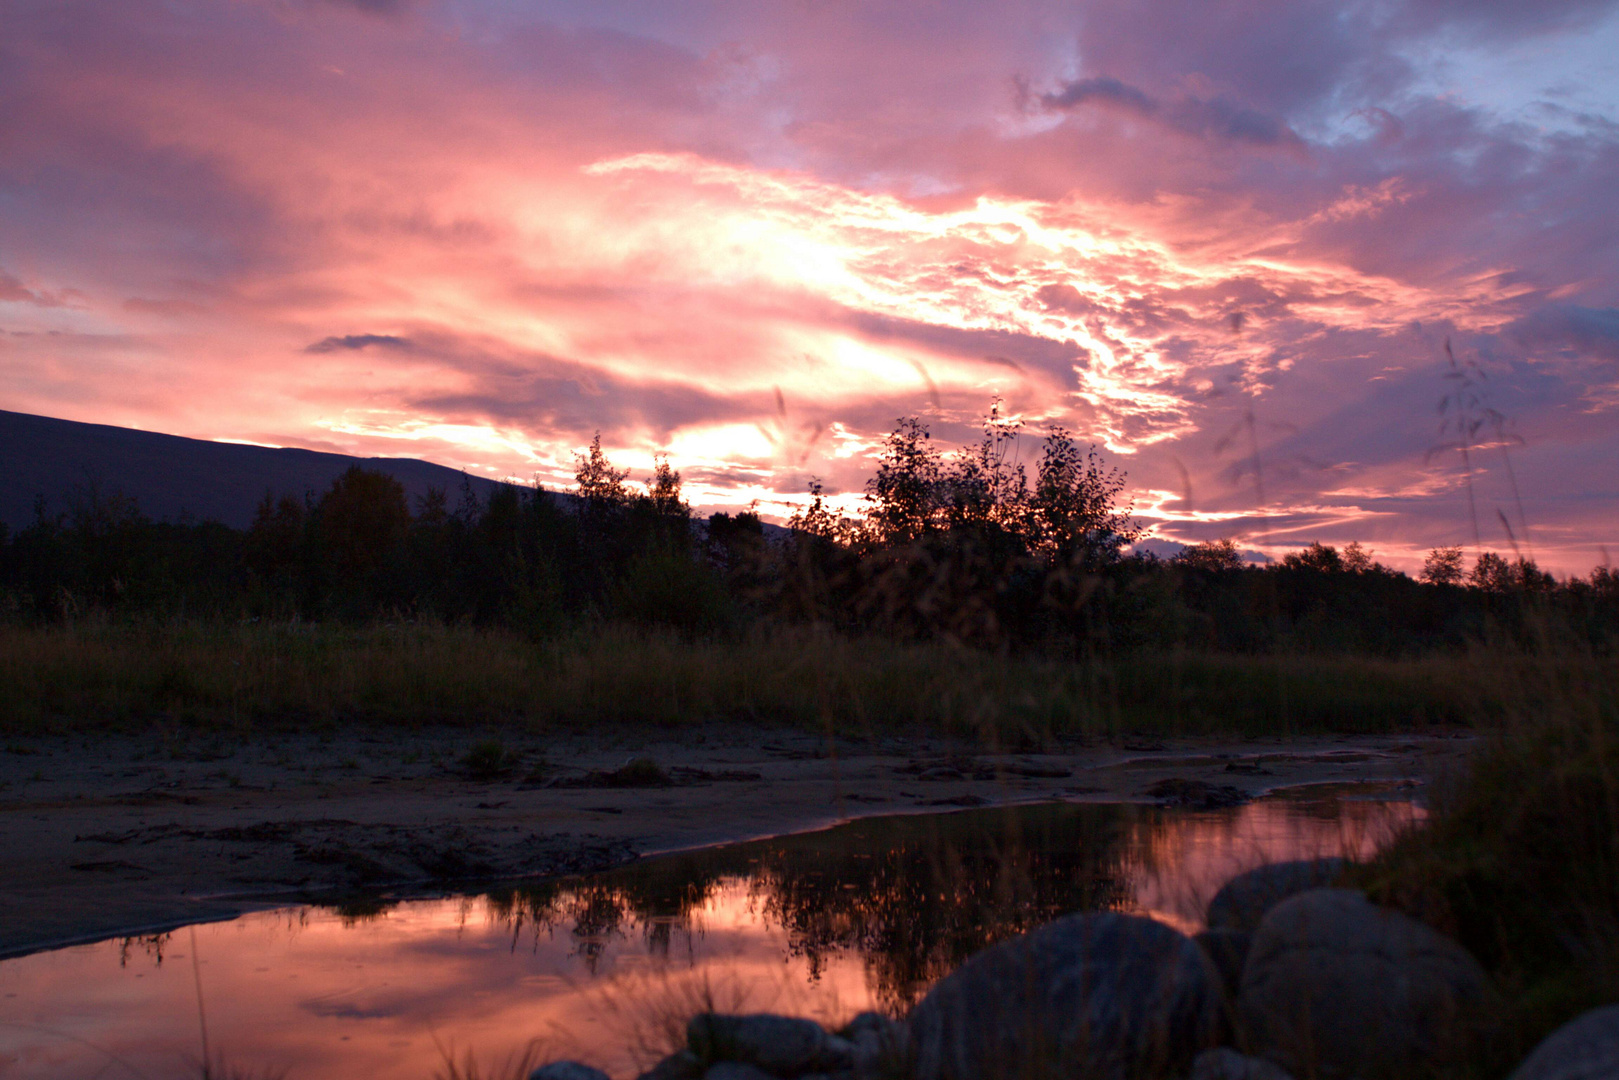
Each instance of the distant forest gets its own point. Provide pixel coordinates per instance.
(964, 546)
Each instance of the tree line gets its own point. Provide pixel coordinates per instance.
(968, 545)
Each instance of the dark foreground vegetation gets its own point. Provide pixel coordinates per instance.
(1519, 860)
(237, 676)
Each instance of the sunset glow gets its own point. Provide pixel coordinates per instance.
(752, 236)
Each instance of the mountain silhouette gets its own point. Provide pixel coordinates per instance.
(173, 478)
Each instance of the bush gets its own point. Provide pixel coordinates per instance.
(671, 588)
(1520, 857)
(489, 760)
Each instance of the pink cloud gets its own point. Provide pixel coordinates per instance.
(757, 234)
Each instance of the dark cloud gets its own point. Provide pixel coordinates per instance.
(1215, 118)
(1101, 88)
(1583, 331)
(550, 396)
(359, 341)
(1067, 299)
(1021, 352)
(1255, 70)
(375, 7)
(1500, 18)
(1222, 118)
(1275, 55)
(561, 399)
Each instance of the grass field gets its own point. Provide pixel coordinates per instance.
(134, 674)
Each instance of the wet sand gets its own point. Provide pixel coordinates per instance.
(119, 835)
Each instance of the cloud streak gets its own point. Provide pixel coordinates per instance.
(356, 342)
(1218, 117)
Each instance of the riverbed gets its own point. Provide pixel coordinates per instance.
(605, 967)
(116, 834)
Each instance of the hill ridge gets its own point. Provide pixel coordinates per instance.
(174, 477)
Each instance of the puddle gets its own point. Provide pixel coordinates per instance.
(606, 968)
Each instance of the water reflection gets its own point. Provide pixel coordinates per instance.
(913, 896)
(604, 968)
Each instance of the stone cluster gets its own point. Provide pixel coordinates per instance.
(1292, 978)
(767, 1047)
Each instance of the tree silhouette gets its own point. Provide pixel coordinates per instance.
(597, 482)
(1318, 557)
(1074, 519)
(362, 521)
(903, 496)
(275, 540)
(1443, 566)
(664, 491)
(1217, 556)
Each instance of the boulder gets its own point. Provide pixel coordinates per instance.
(1585, 1048)
(784, 1045)
(1228, 949)
(680, 1065)
(881, 1045)
(1244, 900)
(1337, 987)
(1104, 996)
(567, 1070)
(736, 1070)
(1224, 1063)
(874, 1023)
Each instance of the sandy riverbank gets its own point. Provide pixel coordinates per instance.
(117, 834)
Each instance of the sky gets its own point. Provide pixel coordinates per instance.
(1283, 261)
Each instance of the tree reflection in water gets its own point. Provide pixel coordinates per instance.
(913, 895)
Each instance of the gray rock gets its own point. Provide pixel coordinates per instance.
(874, 1022)
(736, 1070)
(837, 1054)
(1585, 1048)
(680, 1065)
(881, 1045)
(1244, 900)
(1224, 1063)
(567, 1070)
(1336, 987)
(1103, 996)
(784, 1045)
(1229, 951)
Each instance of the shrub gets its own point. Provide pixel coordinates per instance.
(1520, 857)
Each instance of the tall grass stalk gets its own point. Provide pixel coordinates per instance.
(515, 1067)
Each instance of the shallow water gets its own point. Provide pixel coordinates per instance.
(604, 968)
